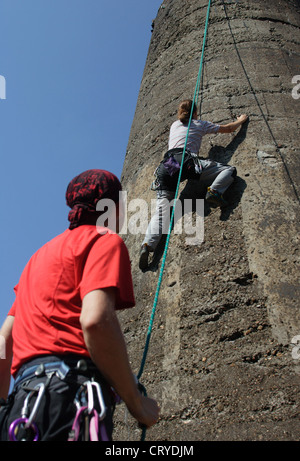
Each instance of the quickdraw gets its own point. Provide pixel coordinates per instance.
(86, 404)
(29, 428)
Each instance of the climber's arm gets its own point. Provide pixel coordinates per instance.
(230, 127)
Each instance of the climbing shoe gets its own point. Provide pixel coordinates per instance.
(214, 198)
(144, 254)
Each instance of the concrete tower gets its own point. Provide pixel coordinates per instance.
(221, 360)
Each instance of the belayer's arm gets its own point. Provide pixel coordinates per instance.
(106, 345)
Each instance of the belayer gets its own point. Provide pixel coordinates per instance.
(64, 345)
(216, 176)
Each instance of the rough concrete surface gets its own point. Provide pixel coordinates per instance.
(221, 360)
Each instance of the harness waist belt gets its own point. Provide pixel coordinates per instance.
(60, 368)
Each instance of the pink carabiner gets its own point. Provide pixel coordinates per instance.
(15, 424)
(74, 434)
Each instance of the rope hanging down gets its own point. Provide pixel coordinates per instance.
(195, 100)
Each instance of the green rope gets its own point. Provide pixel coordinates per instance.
(195, 100)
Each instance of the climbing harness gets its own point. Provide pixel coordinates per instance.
(195, 100)
(89, 402)
(169, 168)
(25, 424)
(85, 404)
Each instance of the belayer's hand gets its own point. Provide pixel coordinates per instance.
(145, 411)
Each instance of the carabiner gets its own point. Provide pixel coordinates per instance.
(26, 421)
(14, 427)
(91, 405)
(80, 398)
(41, 390)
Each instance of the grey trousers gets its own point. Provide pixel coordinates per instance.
(160, 221)
(216, 175)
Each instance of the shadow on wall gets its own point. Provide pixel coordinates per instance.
(197, 190)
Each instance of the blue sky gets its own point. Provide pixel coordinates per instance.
(72, 69)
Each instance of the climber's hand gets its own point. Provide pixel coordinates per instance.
(242, 118)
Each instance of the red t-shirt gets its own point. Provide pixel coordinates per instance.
(54, 282)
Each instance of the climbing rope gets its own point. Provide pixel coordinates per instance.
(195, 100)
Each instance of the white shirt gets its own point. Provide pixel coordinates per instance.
(198, 129)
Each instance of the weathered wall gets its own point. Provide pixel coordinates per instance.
(228, 308)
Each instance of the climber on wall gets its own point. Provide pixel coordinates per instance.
(62, 333)
(217, 176)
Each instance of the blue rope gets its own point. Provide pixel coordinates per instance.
(195, 100)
